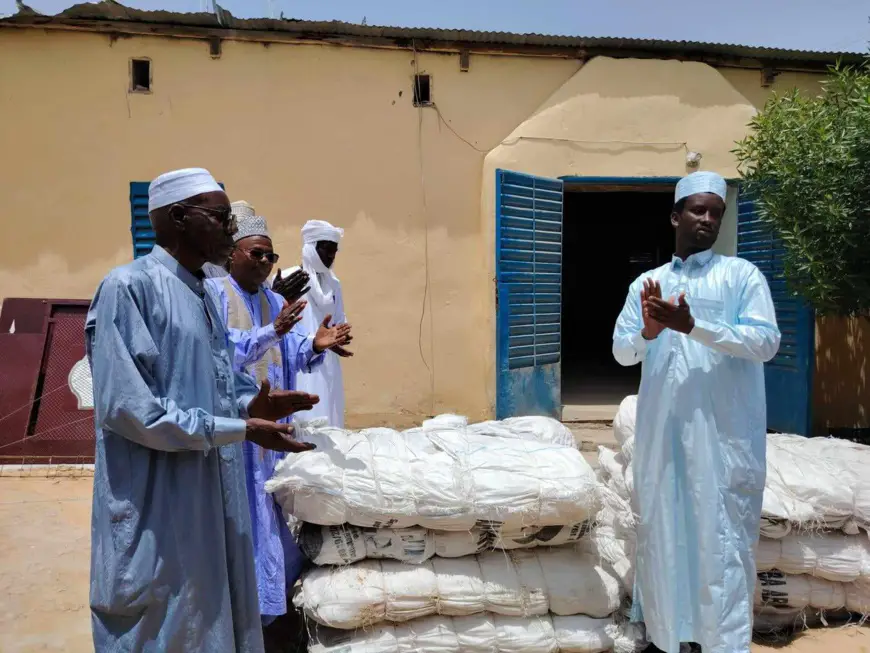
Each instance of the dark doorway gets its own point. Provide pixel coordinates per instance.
(610, 237)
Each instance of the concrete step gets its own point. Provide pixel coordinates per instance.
(589, 412)
(592, 435)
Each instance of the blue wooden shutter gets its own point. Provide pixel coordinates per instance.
(140, 227)
(529, 294)
(788, 377)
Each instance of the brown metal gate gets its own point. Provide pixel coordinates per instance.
(40, 418)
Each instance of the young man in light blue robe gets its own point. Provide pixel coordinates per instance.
(703, 326)
(171, 543)
(271, 347)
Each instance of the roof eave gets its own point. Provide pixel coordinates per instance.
(206, 26)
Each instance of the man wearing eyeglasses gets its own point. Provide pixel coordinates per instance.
(269, 346)
(171, 540)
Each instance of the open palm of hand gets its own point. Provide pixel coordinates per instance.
(332, 337)
(272, 406)
(651, 328)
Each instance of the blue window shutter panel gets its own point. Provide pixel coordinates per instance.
(788, 378)
(529, 294)
(140, 224)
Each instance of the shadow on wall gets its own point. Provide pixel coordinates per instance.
(841, 393)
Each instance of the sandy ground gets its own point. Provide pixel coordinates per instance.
(44, 566)
(849, 639)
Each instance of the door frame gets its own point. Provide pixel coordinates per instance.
(574, 183)
(620, 184)
(640, 184)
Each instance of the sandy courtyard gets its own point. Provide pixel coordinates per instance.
(45, 539)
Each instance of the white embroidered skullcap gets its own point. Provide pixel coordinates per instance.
(179, 185)
(316, 230)
(242, 209)
(701, 182)
(251, 225)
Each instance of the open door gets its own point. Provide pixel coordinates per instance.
(788, 377)
(528, 238)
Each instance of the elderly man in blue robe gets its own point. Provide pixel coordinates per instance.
(703, 326)
(270, 346)
(172, 565)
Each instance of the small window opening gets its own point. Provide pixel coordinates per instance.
(422, 91)
(140, 75)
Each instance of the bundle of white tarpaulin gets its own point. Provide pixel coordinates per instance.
(813, 556)
(444, 478)
(484, 633)
(455, 537)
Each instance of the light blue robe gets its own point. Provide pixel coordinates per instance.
(278, 560)
(172, 565)
(699, 461)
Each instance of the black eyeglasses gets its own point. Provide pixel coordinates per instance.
(259, 254)
(224, 215)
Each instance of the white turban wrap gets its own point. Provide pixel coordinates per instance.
(701, 182)
(323, 283)
(316, 230)
(179, 185)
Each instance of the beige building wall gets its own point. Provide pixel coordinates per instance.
(310, 131)
(301, 132)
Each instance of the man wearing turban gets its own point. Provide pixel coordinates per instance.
(325, 305)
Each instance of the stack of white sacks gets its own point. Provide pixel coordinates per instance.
(454, 538)
(814, 554)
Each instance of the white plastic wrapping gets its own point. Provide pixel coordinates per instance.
(444, 479)
(518, 583)
(345, 544)
(833, 556)
(533, 428)
(486, 634)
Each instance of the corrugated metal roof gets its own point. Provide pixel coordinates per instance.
(109, 11)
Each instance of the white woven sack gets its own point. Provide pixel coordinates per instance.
(485, 634)
(625, 422)
(811, 482)
(440, 479)
(341, 545)
(614, 540)
(773, 528)
(779, 590)
(455, 544)
(612, 471)
(833, 556)
(817, 482)
(629, 479)
(519, 583)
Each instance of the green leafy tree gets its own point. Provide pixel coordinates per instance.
(806, 161)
